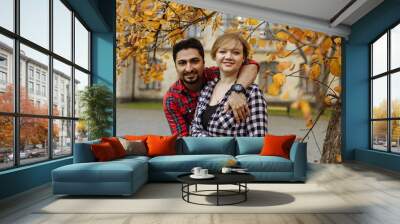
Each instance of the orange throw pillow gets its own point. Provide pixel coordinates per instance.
(161, 145)
(136, 137)
(277, 145)
(103, 151)
(116, 145)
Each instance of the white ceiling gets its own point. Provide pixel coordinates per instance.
(318, 15)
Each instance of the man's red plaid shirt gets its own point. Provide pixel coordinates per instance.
(180, 104)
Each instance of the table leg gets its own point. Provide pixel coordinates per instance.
(245, 191)
(217, 194)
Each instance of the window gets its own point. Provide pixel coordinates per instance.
(30, 73)
(43, 90)
(38, 89)
(385, 96)
(30, 87)
(81, 45)
(37, 74)
(54, 126)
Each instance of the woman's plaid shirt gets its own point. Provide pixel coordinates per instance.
(224, 124)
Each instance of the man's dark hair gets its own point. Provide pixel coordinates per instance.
(186, 44)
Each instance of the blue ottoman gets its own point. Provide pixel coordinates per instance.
(119, 177)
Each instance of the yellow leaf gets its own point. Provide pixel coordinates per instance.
(297, 33)
(279, 79)
(315, 71)
(335, 67)
(309, 123)
(283, 53)
(166, 56)
(280, 46)
(338, 89)
(148, 13)
(251, 21)
(338, 40)
(282, 66)
(271, 57)
(326, 45)
(252, 41)
(305, 108)
(153, 25)
(328, 101)
(308, 50)
(273, 89)
(217, 23)
(131, 20)
(262, 43)
(305, 68)
(310, 35)
(282, 36)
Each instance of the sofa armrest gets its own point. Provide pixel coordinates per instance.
(83, 152)
(298, 155)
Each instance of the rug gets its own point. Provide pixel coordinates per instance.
(166, 198)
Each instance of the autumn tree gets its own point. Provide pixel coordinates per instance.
(146, 26)
(33, 130)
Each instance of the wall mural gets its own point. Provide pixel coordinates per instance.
(300, 69)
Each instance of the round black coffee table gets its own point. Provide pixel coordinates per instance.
(238, 179)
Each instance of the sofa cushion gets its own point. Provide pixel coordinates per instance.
(103, 151)
(116, 145)
(249, 145)
(257, 163)
(161, 145)
(206, 145)
(185, 163)
(277, 145)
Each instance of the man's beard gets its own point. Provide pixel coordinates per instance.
(191, 80)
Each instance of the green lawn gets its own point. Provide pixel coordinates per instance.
(157, 105)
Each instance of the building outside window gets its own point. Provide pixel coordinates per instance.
(30, 72)
(3, 72)
(38, 89)
(30, 87)
(385, 95)
(59, 133)
(43, 90)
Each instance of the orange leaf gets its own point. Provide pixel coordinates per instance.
(338, 89)
(282, 36)
(326, 45)
(335, 67)
(273, 89)
(282, 66)
(262, 43)
(279, 79)
(315, 71)
(328, 101)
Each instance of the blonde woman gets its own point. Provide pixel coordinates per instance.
(229, 51)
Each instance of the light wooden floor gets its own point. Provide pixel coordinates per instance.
(377, 188)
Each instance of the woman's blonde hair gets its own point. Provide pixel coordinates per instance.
(226, 37)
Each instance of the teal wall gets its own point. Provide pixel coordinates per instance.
(356, 86)
(99, 16)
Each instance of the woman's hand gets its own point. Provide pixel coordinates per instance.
(238, 104)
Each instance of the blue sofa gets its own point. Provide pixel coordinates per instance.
(125, 176)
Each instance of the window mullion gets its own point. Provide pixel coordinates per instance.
(16, 70)
(73, 82)
(50, 81)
